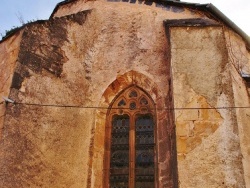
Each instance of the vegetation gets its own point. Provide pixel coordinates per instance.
(15, 28)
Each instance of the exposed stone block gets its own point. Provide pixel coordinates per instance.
(183, 128)
(181, 144)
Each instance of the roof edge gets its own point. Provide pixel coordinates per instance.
(20, 28)
(207, 7)
(229, 23)
(60, 4)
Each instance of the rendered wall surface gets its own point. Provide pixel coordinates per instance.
(47, 146)
(207, 139)
(239, 58)
(72, 61)
(8, 58)
(238, 55)
(72, 67)
(241, 97)
(169, 11)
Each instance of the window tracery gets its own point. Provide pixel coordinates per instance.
(130, 148)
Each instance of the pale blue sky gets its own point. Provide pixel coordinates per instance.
(12, 10)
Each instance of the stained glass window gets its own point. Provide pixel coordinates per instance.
(144, 149)
(143, 101)
(131, 160)
(122, 102)
(133, 94)
(119, 162)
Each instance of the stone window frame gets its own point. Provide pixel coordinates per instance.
(133, 114)
(166, 137)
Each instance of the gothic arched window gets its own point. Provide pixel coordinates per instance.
(130, 156)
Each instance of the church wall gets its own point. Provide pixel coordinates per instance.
(239, 59)
(71, 61)
(166, 156)
(8, 57)
(207, 139)
(238, 54)
(116, 45)
(141, 6)
(46, 146)
(241, 99)
(69, 68)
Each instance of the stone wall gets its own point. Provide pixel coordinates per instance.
(238, 55)
(160, 8)
(8, 58)
(70, 69)
(71, 61)
(241, 97)
(239, 59)
(207, 138)
(45, 145)
(165, 139)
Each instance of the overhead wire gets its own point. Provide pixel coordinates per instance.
(122, 108)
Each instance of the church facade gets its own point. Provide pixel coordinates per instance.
(123, 93)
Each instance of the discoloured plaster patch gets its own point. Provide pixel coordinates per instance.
(42, 44)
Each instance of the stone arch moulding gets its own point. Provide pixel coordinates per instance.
(165, 132)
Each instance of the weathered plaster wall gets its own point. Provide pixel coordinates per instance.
(124, 37)
(160, 7)
(8, 56)
(72, 61)
(120, 41)
(165, 133)
(207, 139)
(241, 98)
(237, 52)
(46, 146)
(83, 60)
(239, 58)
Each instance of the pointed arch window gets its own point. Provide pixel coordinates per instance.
(130, 152)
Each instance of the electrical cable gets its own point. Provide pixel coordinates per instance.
(95, 107)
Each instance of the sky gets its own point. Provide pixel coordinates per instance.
(15, 12)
